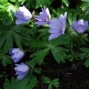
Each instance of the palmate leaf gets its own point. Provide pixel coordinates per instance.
(21, 35)
(85, 6)
(59, 53)
(51, 83)
(46, 80)
(86, 63)
(43, 48)
(6, 42)
(62, 40)
(50, 86)
(37, 57)
(26, 83)
(43, 3)
(5, 59)
(84, 55)
(13, 34)
(85, 50)
(9, 36)
(38, 44)
(38, 3)
(55, 82)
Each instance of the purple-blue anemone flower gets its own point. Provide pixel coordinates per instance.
(23, 15)
(21, 70)
(16, 54)
(57, 26)
(80, 26)
(44, 17)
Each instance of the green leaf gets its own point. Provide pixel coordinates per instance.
(82, 55)
(85, 0)
(5, 59)
(50, 86)
(31, 3)
(13, 34)
(17, 39)
(85, 50)
(62, 40)
(51, 83)
(3, 1)
(71, 17)
(43, 3)
(32, 83)
(55, 82)
(85, 6)
(66, 2)
(46, 80)
(86, 63)
(2, 40)
(8, 43)
(39, 44)
(39, 56)
(26, 83)
(13, 0)
(37, 70)
(59, 54)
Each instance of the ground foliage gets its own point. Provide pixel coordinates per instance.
(62, 63)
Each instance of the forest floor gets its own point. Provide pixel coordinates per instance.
(71, 75)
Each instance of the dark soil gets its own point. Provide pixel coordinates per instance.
(71, 75)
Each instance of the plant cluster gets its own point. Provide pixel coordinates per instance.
(33, 32)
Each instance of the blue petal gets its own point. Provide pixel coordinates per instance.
(20, 21)
(54, 35)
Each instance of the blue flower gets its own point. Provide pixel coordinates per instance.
(21, 70)
(57, 26)
(16, 54)
(79, 26)
(22, 15)
(43, 18)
